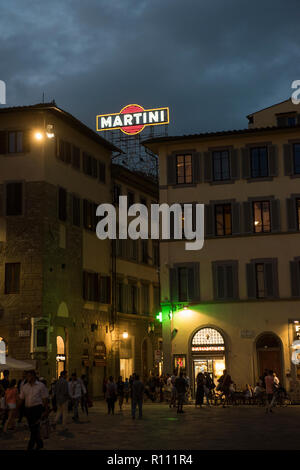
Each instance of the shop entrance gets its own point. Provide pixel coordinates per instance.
(269, 355)
(60, 356)
(208, 353)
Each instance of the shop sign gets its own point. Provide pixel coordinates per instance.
(132, 119)
(207, 348)
(247, 334)
(180, 361)
(296, 352)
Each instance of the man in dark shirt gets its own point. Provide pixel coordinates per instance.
(137, 396)
(181, 386)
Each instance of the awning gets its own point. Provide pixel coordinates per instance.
(15, 364)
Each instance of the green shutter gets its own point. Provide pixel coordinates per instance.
(235, 218)
(208, 170)
(275, 215)
(246, 171)
(196, 162)
(209, 220)
(295, 278)
(251, 280)
(273, 160)
(234, 164)
(247, 217)
(291, 215)
(271, 279)
(288, 160)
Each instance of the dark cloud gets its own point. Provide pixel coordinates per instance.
(211, 61)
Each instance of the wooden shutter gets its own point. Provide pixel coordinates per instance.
(248, 217)
(171, 169)
(273, 160)
(193, 282)
(102, 172)
(94, 167)
(234, 164)
(251, 280)
(26, 141)
(209, 220)
(208, 170)
(295, 278)
(246, 170)
(281, 121)
(173, 284)
(271, 281)
(291, 215)
(3, 142)
(288, 160)
(235, 217)
(68, 152)
(196, 161)
(275, 215)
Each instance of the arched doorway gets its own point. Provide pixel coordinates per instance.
(208, 353)
(60, 355)
(269, 354)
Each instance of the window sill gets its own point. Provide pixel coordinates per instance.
(184, 185)
(216, 183)
(260, 179)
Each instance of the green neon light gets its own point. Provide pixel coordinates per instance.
(159, 317)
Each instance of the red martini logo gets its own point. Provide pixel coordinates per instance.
(132, 119)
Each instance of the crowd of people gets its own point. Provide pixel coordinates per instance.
(31, 398)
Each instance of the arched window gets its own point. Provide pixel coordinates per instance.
(207, 339)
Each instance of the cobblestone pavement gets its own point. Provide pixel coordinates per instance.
(240, 427)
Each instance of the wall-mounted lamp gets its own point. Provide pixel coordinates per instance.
(125, 334)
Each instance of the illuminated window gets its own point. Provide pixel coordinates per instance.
(262, 218)
(207, 336)
(221, 165)
(184, 169)
(259, 162)
(223, 219)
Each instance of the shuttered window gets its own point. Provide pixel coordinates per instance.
(102, 172)
(90, 165)
(261, 216)
(262, 279)
(225, 280)
(295, 277)
(76, 157)
(296, 158)
(259, 162)
(96, 288)
(184, 173)
(221, 166)
(76, 212)
(223, 224)
(12, 278)
(145, 299)
(14, 198)
(185, 283)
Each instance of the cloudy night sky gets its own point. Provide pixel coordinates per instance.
(211, 61)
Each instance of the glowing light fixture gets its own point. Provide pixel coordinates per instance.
(125, 334)
(38, 136)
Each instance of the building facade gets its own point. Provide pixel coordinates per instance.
(235, 304)
(56, 279)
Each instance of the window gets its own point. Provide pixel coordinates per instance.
(221, 165)
(223, 219)
(261, 219)
(14, 198)
(76, 157)
(133, 298)
(259, 162)
(130, 196)
(76, 210)
(12, 278)
(64, 151)
(90, 165)
(145, 251)
(184, 283)
(41, 337)
(89, 215)
(262, 278)
(119, 297)
(15, 142)
(296, 154)
(102, 172)
(62, 204)
(145, 299)
(225, 279)
(184, 169)
(117, 193)
(295, 277)
(90, 286)
(156, 299)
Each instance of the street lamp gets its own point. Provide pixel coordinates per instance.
(125, 334)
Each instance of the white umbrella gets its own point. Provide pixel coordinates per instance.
(15, 364)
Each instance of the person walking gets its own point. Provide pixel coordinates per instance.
(181, 386)
(200, 390)
(208, 386)
(111, 395)
(61, 393)
(269, 384)
(11, 398)
(35, 395)
(137, 396)
(5, 384)
(85, 400)
(76, 390)
(120, 391)
(224, 385)
(126, 389)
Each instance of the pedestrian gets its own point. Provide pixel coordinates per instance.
(35, 395)
(137, 396)
(76, 390)
(200, 389)
(208, 386)
(53, 395)
(11, 398)
(111, 395)
(224, 386)
(21, 410)
(5, 384)
(173, 391)
(120, 391)
(181, 387)
(61, 393)
(85, 396)
(269, 384)
(126, 389)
